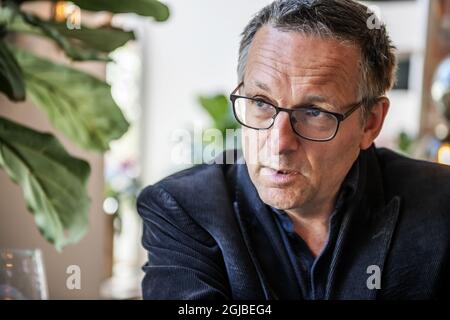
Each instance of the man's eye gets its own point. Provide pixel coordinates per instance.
(313, 112)
(260, 103)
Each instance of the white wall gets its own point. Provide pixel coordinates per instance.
(406, 24)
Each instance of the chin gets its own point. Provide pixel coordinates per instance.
(280, 198)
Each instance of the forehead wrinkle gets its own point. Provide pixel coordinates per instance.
(317, 80)
(269, 66)
(260, 82)
(309, 69)
(281, 59)
(323, 69)
(311, 80)
(281, 44)
(270, 63)
(274, 86)
(318, 86)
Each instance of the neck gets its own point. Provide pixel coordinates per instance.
(312, 225)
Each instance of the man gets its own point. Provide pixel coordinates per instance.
(320, 213)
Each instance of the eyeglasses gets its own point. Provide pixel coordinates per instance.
(309, 122)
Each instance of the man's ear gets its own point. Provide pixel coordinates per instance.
(374, 122)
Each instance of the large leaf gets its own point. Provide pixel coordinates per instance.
(53, 182)
(149, 8)
(11, 78)
(73, 50)
(105, 39)
(11, 20)
(18, 21)
(4, 20)
(78, 44)
(78, 104)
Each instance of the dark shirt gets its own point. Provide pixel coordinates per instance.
(312, 272)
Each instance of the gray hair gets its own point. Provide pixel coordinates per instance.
(344, 20)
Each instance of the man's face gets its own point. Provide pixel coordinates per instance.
(290, 69)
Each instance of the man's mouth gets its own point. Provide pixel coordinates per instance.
(279, 176)
(281, 170)
(286, 171)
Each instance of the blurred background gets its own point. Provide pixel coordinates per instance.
(154, 70)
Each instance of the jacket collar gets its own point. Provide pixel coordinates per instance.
(363, 241)
(253, 214)
(365, 236)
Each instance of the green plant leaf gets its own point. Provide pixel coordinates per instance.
(18, 21)
(78, 104)
(53, 182)
(75, 51)
(79, 44)
(5, 16)
(219, 110)
(149, 8)
(11, 78)
(11, 20)
(105, 39)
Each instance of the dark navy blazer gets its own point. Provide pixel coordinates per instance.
(199, 233)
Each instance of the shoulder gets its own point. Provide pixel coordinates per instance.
(173, 202)
(423, 186)
(202, 182)
(198, 181)
(406, 172)
(196, 197)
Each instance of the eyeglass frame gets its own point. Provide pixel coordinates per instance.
(339, 116)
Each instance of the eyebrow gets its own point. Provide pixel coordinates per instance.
(315, 98)
(308, 99)
(262, 86)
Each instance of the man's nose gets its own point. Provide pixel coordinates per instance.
(282, 137)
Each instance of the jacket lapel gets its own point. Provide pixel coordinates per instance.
(363, 241)
(263, 240)
(365, 236)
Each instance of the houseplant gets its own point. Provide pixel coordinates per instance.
(77, 104)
